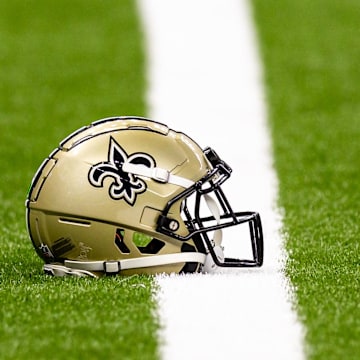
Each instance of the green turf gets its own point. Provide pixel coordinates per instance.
(64, 64)
(311, 50)
(73, 318)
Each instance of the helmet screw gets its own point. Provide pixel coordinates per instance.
(173, 225)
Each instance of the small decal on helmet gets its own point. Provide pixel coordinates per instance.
(83, 251)
(46, 252)
(62, 246)
(124, 186)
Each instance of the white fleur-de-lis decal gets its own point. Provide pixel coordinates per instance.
(124, 186)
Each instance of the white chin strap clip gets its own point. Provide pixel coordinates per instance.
(210, 265)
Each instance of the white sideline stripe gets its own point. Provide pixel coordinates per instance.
(204, 79)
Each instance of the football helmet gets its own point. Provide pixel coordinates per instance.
(128, 195)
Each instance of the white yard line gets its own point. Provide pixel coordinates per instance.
(205, 80)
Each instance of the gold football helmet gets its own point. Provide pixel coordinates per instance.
(128, 195)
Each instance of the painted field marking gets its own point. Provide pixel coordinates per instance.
(204, 79)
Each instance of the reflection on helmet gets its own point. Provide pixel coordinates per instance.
(129, 195)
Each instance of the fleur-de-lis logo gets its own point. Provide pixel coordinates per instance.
(124, 185)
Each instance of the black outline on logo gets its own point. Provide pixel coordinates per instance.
(125, 186)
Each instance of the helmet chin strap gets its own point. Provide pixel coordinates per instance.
(113, 267)
(158, 174)
(210, 265)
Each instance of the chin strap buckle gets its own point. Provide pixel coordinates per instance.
(112, 267)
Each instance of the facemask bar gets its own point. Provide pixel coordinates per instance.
(229, 218)
(199, 226)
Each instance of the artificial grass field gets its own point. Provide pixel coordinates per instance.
(311, 52)
(65, 64)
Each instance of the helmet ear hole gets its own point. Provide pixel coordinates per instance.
(147, 244)
(119, 241)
